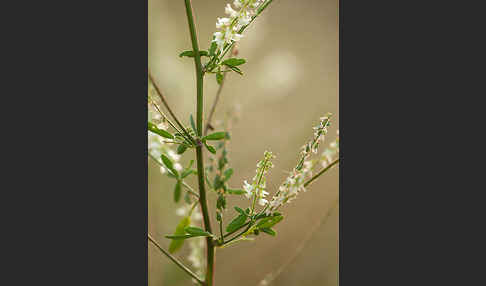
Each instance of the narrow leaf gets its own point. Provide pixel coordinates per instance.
(181, 149)
(227, 174)
(236, 223)
(216, 136)
(236, 191)
(212, 49)
(196, 231)
(209, 147)
(233, 62)
(187, 54)
(154, 129)
(177, 191)
(241, 211)
(193, 125)
(168, 163)
(180, 237)
(177, 244)
(269, 221)
(268, 231)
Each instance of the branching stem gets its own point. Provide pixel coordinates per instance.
(199, 151)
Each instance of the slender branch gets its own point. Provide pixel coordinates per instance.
(189, 189)
(177, 262)
(301, 246)
(166, 118)
(321, 172)
(199, 152)
(162, 98)
(216, 99)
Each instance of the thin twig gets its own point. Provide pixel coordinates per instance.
(216, 100)
(321, 172)
(301, 247)
(177, 262)
(162, 98)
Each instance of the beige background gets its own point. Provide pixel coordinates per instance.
(291, 79)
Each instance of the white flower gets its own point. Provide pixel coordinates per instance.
(237, 3)
(248, 189)
(163, 170)
(178, 166)
(222, 22)
(262, 202)
(228, 10)
(173, 155)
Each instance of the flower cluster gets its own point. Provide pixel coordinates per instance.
(230, 26)
(257, 188)
(295, 182)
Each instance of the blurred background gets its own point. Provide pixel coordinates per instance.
(291, 79)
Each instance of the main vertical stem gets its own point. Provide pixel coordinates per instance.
(199, 151)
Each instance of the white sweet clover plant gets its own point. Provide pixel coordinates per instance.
(169, 139)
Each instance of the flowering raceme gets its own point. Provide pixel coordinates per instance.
(230, 26)
(296, 181)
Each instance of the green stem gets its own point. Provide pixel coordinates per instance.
(321, 172)
(177, 262)
(199, 152)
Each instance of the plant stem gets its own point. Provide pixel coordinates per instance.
(213, 107)
(177, 262)
(321, 172)
(199, 152)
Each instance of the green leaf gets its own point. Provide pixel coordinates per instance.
(236, 191)
(268, 222)
(218, 183)
(236, 69)
(240, 210)
(212, 49)
(177, 244)
(209, 147)
(168, 163)
(187, 172)
(227, 174)
(219, 78)
(216, 136)
(233, 62)
(221, 202)
(181, 149)
(154, 129)
(196, 231)
(190, 54)
(268, 231)
(193, 125)
(187, 54)
(177, 191)
(179, 237)
(236, 223)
